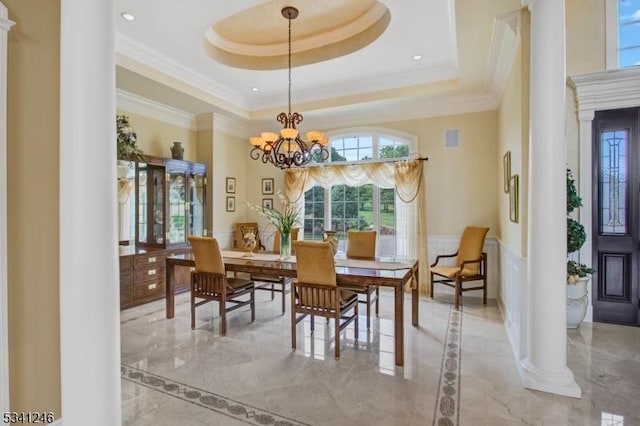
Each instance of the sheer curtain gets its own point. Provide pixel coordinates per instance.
(405, 176)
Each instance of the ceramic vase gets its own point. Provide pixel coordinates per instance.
(177, 150)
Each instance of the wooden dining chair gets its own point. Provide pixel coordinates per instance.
(315, 292)
(362, 245)
(274, 283)
(470, 265)
(209, 282)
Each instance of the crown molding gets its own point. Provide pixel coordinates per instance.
(136, 51)
(505, 40)
(381, 82)
(221, 123)
(386, 112)
(137, 104)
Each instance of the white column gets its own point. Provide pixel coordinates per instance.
(89, 290)
(5, 26)
(586, 191)
(545, 365)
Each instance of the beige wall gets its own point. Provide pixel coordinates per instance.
(513, 129)
(33, 203)
(585, 34)
(156, 137)
(461, 188)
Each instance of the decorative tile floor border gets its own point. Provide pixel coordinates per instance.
(447, 409)
(220, 404)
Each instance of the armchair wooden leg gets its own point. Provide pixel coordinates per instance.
(484, 289)
(223, 317)
(337, 332)
(272, 296)
(356, 323)
(457, 292)
(313, 323)
(293, 318)
(193, 311)
(431, 285)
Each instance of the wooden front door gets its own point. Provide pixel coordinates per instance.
(616, 222)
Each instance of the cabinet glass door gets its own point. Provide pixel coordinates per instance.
(177, 208)
(196, 205)
(142, 205)
(157, 187)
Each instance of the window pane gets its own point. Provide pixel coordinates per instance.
(313, 213)
(613, 181)
(387, 227)
(628, 33)
(350, 143)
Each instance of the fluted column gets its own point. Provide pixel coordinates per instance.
(545, 365)
(89, 290)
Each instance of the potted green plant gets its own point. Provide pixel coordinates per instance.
(127, 148)
(578, 274)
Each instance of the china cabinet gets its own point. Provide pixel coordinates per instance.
(169, 205)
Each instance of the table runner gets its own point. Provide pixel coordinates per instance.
(348, 263)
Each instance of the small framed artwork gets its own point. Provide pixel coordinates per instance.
(231, 185)
(231, 204)
(513, 199)
(506, 165)
(267, 186)
(267, 203)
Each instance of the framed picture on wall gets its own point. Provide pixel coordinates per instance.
(506, 165)
(513, 199)
(267, 186)
(231, 204)
(267, 203)
(231, 185)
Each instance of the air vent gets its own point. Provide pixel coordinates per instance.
(452, 138)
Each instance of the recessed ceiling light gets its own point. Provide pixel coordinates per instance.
(128, 16)
(255, 89)
(417, 57)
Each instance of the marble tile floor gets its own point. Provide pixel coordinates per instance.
(459, 370)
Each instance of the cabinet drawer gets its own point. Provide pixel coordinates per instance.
(126, 263)
(154, 273)
(149, 260)
(147, 289)
(126, 287)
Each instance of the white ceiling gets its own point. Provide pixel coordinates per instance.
(161, 56)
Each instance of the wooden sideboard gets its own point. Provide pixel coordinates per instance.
(142, 274)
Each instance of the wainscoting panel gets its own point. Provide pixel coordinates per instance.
(447, 244)
(512, 295)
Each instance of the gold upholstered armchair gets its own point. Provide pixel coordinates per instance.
(315, 291)
(273, 283)
(470, 265)
(209, 282)
(362, 245)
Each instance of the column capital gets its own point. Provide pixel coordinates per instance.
(5, 22)
(586, 115)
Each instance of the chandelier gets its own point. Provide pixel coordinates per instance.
(287, 149)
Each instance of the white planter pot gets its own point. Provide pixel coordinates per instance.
(577, 302)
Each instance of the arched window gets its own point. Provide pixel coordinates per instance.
(366, 207)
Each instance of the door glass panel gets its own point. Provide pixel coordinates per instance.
(177, 208)
(196, 206)
(614, 189)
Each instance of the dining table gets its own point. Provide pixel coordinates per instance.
(394, 272)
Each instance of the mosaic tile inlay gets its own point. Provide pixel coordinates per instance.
(447, 409)
(220, 404)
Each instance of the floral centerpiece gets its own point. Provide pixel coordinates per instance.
(284, 220)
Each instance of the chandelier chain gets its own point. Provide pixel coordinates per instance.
(289, 66)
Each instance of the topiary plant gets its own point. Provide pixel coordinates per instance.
(126, 139)
(576, 235)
